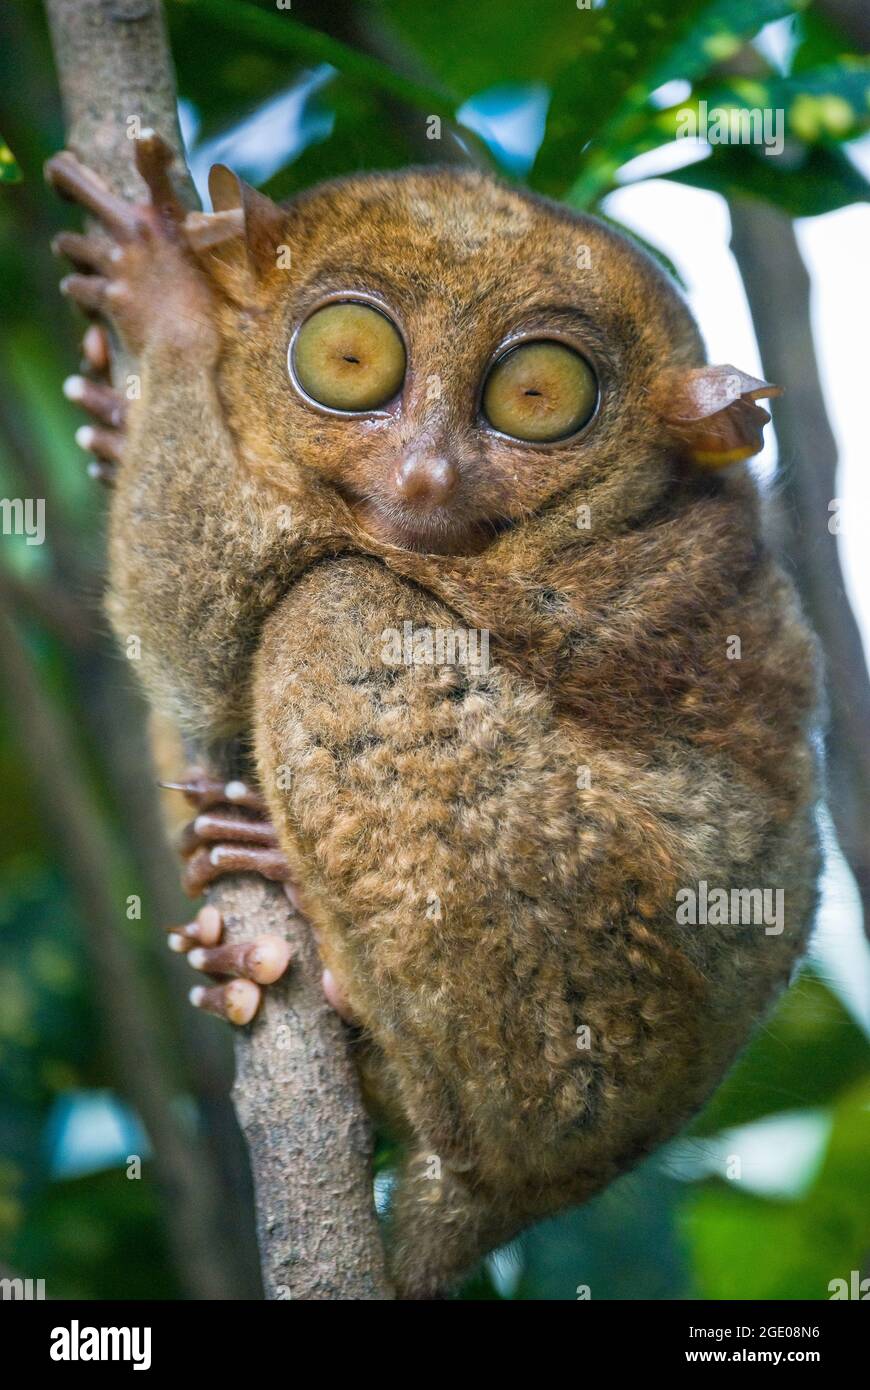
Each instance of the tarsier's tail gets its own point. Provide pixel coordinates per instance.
(441, 1227)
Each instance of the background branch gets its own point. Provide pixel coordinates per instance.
(84, 848)
(778, 288)
(296, 1092)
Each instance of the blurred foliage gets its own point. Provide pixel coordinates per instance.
(392, 67)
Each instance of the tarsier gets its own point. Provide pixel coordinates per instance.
(409, 399)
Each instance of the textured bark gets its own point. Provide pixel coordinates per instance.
(778, 288)
(296, 1092)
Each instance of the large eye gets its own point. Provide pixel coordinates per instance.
(539, 392)
(349, 357)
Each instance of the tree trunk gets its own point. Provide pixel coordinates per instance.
(296, 1092)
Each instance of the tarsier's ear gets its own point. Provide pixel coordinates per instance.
(240, 241)
(711, 413)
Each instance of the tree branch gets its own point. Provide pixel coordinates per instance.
(296, 1092)
(778, 288)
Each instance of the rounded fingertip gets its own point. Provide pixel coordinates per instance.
(267, 959)
(208, 926)
(196, 996)
(176, 942)
(74, 388)
(85, 436)
(335, 997)
(234, 791)
(241, 1001)
(147, 133)
(94, 344)
(197, 958)
(95, 470)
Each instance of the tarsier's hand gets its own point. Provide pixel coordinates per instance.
(137, 272)
(139, 275)
(231, 834)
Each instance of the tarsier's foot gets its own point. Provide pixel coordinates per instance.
(232, 834)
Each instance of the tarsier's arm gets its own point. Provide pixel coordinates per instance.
(192, 542)
(142, 278)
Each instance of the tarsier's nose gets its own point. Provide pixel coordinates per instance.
(426, 480)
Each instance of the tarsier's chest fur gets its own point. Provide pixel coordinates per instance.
(492, 857)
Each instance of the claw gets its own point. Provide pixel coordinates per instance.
(203, 792)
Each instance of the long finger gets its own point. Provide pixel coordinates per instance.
(88, 291)
(87, 252)
(106, 444)
(75, 181)
(237, 1002)
(153, 160)
(262, 960)
(100, 400)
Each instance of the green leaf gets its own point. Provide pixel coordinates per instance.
(829, 104)
(826, 107)
(623, 48)
(489, 43)
(364, 136)
(747, 1247)
(821, 43)
(279, 31)
(604, 100)
(823, 180)
(719, 35)
(808, 1054)
(9, 170)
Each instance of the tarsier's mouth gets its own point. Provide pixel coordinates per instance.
(441, 531)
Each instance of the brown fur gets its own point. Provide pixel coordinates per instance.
(478, 906)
